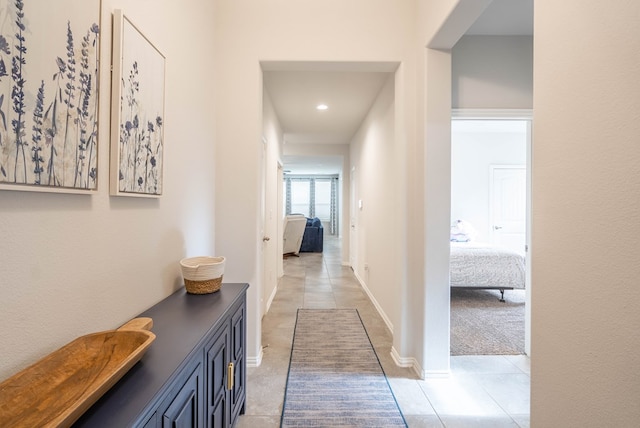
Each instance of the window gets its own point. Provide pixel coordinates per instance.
(300, 198)
(323, 200)
(313, 196)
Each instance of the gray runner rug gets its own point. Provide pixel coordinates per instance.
(482, 325)
(335, 377)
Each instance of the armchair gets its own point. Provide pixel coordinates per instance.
(293, 229)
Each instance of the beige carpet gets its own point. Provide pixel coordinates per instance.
(482, 325)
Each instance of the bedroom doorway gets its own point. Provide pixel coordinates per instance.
(490, 192)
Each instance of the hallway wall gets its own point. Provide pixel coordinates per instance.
(375, 157)
(75, 264)
(586, 215)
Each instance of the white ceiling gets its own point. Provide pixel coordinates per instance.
(313, 165)
(348, 94)
(349, 89)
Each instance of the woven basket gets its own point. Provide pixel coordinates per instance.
(202, 275)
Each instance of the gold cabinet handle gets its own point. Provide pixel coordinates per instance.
(230, 376)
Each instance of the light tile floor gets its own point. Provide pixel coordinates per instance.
(482, 391)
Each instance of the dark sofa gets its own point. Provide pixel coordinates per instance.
(312, 239)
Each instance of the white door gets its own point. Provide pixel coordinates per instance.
(270, 237)
(509, 206)
(264, 231)
(353, 232)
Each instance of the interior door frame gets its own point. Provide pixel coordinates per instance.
(513, 114)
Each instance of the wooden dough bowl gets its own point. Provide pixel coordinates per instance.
(58, 389)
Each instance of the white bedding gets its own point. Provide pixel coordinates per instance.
(478, 265)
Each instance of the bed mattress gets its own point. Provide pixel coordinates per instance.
(478, 265)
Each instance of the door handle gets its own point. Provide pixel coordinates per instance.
(230, 376)
(266, 238)
(497, 227)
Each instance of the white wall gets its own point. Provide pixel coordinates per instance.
(586, 214)
(492, 72)
(74, 264)
(474, 149)
(251, 31)
(375, 157)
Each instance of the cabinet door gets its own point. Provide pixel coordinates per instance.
(238, 339)
(185, 410)
(152, 421)
(217, 358)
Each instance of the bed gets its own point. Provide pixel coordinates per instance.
(485, 266)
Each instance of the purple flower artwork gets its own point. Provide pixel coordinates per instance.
(137, 143)
(49, 74)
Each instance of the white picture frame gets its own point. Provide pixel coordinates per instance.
(49, 95)
(137, 112)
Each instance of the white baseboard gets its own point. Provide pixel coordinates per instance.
(270, 299)
(384, 317)
(255, 361)
(407, 362)
(399, 360)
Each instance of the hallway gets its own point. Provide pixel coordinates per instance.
(482, 391)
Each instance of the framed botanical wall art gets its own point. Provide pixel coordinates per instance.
(49, 84)
(137, 115)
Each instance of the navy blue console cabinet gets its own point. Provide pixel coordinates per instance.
(194, 373)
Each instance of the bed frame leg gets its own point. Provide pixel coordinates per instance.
(502, 296)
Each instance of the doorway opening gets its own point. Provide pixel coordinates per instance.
(490, 201)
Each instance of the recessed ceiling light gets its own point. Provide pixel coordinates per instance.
(322, 107)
